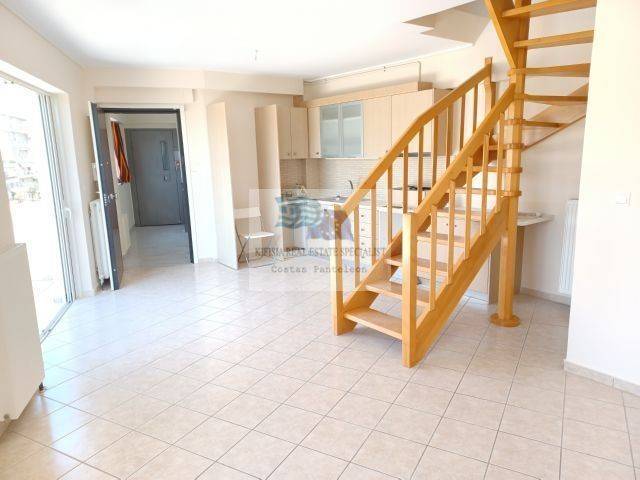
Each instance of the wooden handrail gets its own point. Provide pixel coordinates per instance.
(475, 142)
(402, 143)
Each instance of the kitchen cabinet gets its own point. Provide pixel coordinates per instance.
(341, 130)
(377, 126)
(313, 121)
(299, 133)
(406, 107)
(292, 132)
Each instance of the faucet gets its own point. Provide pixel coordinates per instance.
(351, 184)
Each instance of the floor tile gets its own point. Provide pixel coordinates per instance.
(206, 369)
(127, 455)
(305, 463)
(174, 388)
(72, 390)
(356, 359)
(499, 473)
(247, 410)
(84, 472)
(484, 387)
(276, 387)
(336, 438)
(239, 378)
(363, 411)
(577, 466)
(289, 423)
(172, 464)
(213, 438)
(300, 368)
(15, 448)
(103, 399)
(585, 387)
(438, 377)
(322, 352)
(143, 379)
(315, 398)
(172, 424)
(221, 472)
(257, 454)
(540, 377)
(463, 438)
(426, 399)
(537, 399)
(475, 410)
(356, 472)
(40, 406)
(534, 425)
(266, 360)
(50, 428)
(137, 411)
(440, 465)
(46, 464)
(335, 376)
(390, 455)
(526, 456)
(90, 439)
(588, 410)
(378, 387)
(409, 424)
(209, 399)
(597, 441)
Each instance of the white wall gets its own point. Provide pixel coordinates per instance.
(604, 330)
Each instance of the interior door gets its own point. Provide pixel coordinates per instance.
(107, 193)
(157, 181)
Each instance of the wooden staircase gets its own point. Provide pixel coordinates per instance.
(446, 239)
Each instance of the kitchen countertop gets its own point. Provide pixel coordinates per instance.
(525, 219)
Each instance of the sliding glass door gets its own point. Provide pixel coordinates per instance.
(30, 162)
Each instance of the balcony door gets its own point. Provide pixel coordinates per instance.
(30, 162)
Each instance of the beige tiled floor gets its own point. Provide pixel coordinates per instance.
(203, 372)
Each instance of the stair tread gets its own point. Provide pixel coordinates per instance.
(382, 322)
(442, 238)
(393, 289)
(422, 264)
(575, 70)
(573, 38)
(548, 7)
(553, 99)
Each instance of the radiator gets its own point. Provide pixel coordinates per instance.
(99, 236)
(568, 247)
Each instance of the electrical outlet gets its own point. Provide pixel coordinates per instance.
(623, 198)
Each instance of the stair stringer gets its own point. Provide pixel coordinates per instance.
(430, 323)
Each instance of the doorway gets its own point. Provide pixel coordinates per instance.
(143, 186)
(30, 161)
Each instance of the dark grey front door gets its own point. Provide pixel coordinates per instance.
(156, 176)
(103, 158)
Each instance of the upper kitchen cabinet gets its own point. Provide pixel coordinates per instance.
(377, 126)
(406, 107)
(292, 132)
(330, 143)
(341, 130)
(313, 117)
(299, 133)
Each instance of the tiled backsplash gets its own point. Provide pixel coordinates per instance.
(333, 174)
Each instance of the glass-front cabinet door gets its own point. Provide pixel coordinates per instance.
(330, 131)
(351, 114)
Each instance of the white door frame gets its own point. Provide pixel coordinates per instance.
(186, 159)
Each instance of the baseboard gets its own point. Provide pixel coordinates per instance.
(603, 378)
(552, 297)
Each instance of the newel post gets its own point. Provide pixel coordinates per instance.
(409, 289)
(337, 301)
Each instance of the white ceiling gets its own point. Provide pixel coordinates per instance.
(300, 38)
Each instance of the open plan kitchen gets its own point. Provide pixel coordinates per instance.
(312, 156)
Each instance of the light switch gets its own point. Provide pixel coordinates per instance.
(623, 198)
